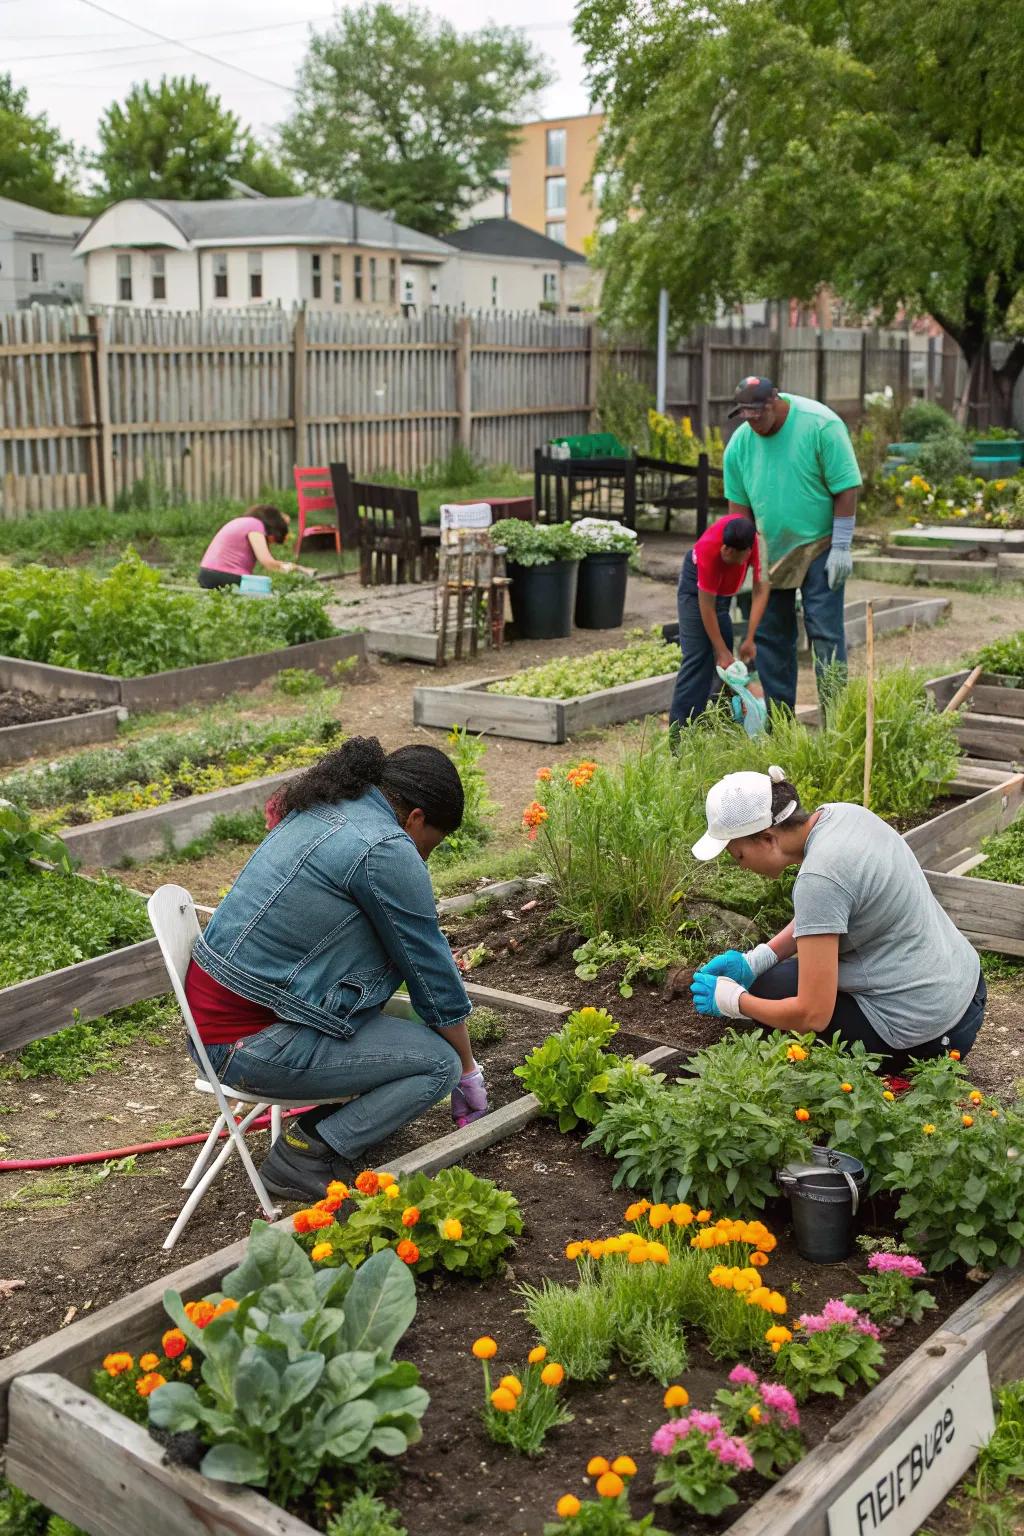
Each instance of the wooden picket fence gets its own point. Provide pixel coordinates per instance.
(224, 404)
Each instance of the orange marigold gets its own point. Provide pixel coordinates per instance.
(368, 1183)
(407, 1251)
(676, 1397)
(552, 1375)
(117, 1363)
(543, 775)
(596, 1465)
(504, 1400)
(410, 1216)
(386, 1180)
(321, 1251)
(759, 1259)
(149, 1362)
(846, 1087)
(801, 1115)
(537, 1354)
(609, 1485)
(568, 1505)
(484, 1347)
(200, 1313)
(954, 1055)
(228, 1304)
(625, 1466)
(149, 1383)
(534, 815)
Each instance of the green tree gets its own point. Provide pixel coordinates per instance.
(764, 147)
(37, 166)
(176, 140)
(398, 110)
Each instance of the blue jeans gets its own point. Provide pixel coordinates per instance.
(399, 1067)
(697, 676)
(776, 633)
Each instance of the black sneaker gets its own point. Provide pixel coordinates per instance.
(299, 1166)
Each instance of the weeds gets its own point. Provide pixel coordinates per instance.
(60, 1186)
(474, 832)
(85, 1047)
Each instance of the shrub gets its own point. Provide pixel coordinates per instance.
(295, 682)
(923, 420)
(943, 458)
(624, 405)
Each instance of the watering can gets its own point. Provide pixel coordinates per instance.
(747, 710)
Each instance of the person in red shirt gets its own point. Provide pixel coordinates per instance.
(713, 572)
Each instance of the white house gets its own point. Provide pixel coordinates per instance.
(506, 266)
(231, 253)
(37, 260)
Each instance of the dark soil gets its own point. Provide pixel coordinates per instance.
(20, 707)
(456, 1478)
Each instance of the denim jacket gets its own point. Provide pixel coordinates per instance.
(330, 914)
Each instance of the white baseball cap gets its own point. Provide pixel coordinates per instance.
(738, 806)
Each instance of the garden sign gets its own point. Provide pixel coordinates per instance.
(902, 1486)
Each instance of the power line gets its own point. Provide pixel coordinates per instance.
(176, 43)
(31, 58)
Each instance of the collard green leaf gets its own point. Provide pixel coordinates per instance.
(228, 1463)
(381, 1303)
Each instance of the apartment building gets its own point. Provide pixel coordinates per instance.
(549, 168)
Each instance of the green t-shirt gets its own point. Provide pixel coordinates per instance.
(789, 479)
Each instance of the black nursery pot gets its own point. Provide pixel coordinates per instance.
(543, 598)
(601, 591)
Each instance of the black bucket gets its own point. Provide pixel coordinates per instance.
(601, 591)
(543, 599)
(824, 1197)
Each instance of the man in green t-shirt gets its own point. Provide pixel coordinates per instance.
(791, 464)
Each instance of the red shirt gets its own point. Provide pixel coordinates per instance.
(221, 1016)
(713, 574)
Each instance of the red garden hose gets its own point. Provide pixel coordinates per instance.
(27, 1164)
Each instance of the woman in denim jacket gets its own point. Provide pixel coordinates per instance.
(330, 915)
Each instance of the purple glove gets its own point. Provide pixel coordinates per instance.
(469, 1097)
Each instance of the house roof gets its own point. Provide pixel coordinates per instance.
(25, 220)
(304, 220)
(504, 237)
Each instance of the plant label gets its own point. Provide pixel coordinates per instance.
(901, 1487)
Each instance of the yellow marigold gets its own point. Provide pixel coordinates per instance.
(410, 1216)
(321, 1251)
(453, 1229)
(703, 1215)
(682, 1215)
(392, 1192)
(637, 1209)
(200, 1313)
(337, 1190)
(676, 1397)
(609, 1485)
(976, 1097)
(573, 1250)
(777, 1336)
(659, 1216)
(754, 1413)
(994, 1113)
(513, 1384)
(625, 1466)
(796, 1053)
(227, 1304)
(185, 1363)
(596, 1250)
(801, 1115)
(149, 1362)
(928, 1130)
(553, 1374)
(657, 1253)
(149, 1383)
(846, 1087)
(485, 1348)
(537, 1354)
(638, 1255)
(596, 1465)
(568, 1505)
(117, 1363)
(967, 1120)
(386, 1180)
(504, 1400)
(721, 1277)
(888, 1095)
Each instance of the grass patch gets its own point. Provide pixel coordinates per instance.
(238, 829)
(490, 864)
(60, 1186)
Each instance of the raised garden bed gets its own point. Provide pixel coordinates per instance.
(988, 912)
(34, 726)
(992, 723)
(185, 685)
(85, 1461)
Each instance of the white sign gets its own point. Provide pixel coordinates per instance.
(475, 514)
(913, 1474)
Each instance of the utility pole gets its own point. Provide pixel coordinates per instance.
(662, 350)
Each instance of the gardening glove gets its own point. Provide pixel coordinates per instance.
(718, 997)
(839, 565)
(745, 968)
(469, 1097)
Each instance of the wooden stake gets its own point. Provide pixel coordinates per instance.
(966, 687)
(869, 712)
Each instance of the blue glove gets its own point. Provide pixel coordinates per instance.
(718, 996)
(702, 989)
(732, 964)
(839, 565)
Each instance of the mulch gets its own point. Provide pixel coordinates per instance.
(22, 707)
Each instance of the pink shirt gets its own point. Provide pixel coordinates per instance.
(230, 550)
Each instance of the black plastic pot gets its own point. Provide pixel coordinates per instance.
(543, 599)
(601, 591)
(824, 1197)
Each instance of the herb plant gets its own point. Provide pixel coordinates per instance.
(300, 1376)
(537, 543)
(1004, 856)
(571, 677)
(475, 830)
(53, 920)
(1004, 657)
(365, 1515)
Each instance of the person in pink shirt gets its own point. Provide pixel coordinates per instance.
(236, 549)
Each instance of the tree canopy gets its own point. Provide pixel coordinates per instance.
(399, 111)
(176, 140)
(37, 166)
(758, 148)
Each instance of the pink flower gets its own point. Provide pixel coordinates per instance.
(898, 1263)
(663, 1441)
(838, 1311)
(864, 1326)
(743, 1376)
(780, 1400)
(811, 1323)
(707, 1423)
(731, 1452)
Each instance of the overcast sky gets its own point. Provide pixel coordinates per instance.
(76, 56)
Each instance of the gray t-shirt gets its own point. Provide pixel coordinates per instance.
(911, 970)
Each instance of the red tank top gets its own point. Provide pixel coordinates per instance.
(221, 1016)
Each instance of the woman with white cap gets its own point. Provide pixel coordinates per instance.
(869, 955)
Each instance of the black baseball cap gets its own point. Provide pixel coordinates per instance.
(752, 392)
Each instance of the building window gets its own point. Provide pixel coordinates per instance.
(38, 267)
(494, 292)
(550, 287)
(315, 274)
(373, 280)
(220, 277)
(555, 230)
(255, 274)
(554, 194)
(357, 278)
(556, 148)
(392, 281)
(124, 279)
(336, 277)
(158, 277)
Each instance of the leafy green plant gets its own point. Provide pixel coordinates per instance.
(21, 1515)
(572, 1074)
(537, 543)
(1004, 856)
(571, 677)
(453, 1220)
(479, 809)
(365, 1515)
(300, 1376)
(95, 1045)
(296, 682)
(624, 406)
(924, 419)
(1005, 657)
(53, 920)
(602, 951)
(21, 843)
(765, 1413)
(942, 457)
(677, 441)
(834, 1349)
(130, 624)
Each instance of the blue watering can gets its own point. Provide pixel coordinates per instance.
(747, 710)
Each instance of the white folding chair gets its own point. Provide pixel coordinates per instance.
(172, 913)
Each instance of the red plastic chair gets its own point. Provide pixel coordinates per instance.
(316, 494)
